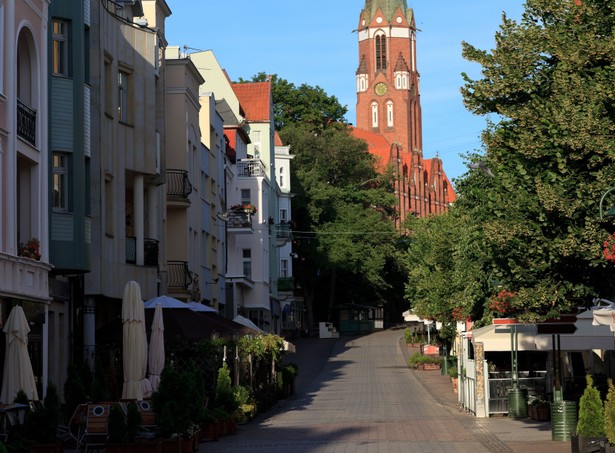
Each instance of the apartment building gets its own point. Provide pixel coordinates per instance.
(24, 163)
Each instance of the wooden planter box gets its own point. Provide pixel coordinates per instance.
(173, 445)
(539, 412)
(429, 366)
(153, 446)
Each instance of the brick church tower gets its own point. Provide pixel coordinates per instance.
(389, 108)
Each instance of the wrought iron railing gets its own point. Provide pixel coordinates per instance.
(251, 168)
(239, 219)
(150, 251)
(178, 275)
(286, 284)
(26, 123)
(283, 232)
(178, 185)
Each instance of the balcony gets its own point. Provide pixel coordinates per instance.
(179, 277)
(286, 284)
(283, 234)
(251, 168)
(239, 222)
(150, 251)
(26, 123)
(178, 188)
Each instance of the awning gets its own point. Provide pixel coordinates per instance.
(587, 336)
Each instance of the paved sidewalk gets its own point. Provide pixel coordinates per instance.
(356, 394)
(523, 436)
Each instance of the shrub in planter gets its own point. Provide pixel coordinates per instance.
(609, 417)
(424, 361)
(171, 403)
(590, 426)
(117, 424)
(246, 404)
(224, 396)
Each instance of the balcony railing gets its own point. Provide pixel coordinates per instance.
(286, 284)
(150, 251)
(178, 275)
(284, 233)
(26, 123)
(239, 219)
(178, 185)
(250, 168)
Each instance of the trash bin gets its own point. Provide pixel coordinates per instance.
(563, 419)
(517, 402)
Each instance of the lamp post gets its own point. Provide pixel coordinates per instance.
(610, 212)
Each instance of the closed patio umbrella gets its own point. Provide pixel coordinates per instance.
(18, 374)
(156, 348)
(134, 343)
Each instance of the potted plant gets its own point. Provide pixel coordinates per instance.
(590, 426)
(30, 249)
(170, 404)
(225, 398)
(454, 375)
(43, 421)
(609, 420)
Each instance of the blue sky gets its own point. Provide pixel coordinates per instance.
(313, 42)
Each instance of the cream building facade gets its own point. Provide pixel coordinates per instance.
(24, 165)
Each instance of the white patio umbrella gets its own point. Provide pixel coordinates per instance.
(604, 314)
(134, 344)
(156, 348)
(18, 374)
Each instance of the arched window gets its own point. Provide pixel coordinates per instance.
(381, 52)
(374, 114)
(390, 113)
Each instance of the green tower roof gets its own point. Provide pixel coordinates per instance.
(388, 7)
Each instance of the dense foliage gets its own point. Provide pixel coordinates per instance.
(533, 229)
(341, 210)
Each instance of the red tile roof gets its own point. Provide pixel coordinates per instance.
(255, 99)
(277, 141)
(377, 144)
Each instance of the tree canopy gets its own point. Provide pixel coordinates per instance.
(535, 226)
(304, 104)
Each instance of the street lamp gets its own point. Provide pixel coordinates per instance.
(610, 212)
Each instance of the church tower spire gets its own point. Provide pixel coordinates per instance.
(388, 98)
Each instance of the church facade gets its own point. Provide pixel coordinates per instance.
(388, 111)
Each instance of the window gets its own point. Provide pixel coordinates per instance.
(381, 52)
(59, 37)
(246, 196)
(108, 205)
(281, 176)
(283, 215)
(257, 144)
(390, 113)
(123, 88)
(60, 182)
(374, 114)
(108, 87)
(247, 262)
(283, 268)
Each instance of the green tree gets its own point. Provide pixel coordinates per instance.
(550, 82)
(304, 104)
(342, 208)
